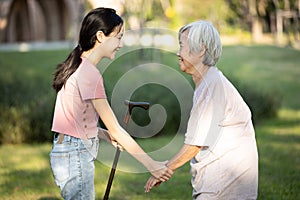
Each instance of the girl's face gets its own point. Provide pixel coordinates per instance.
(187, 60)
(112, 43)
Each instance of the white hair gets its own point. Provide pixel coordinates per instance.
(204, 34)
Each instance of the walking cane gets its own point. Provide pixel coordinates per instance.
(131, 105)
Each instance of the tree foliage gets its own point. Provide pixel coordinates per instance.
(223, 14)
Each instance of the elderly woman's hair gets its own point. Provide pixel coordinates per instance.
(202, 34)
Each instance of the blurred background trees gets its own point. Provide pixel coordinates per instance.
(50, 20)
(257, 17)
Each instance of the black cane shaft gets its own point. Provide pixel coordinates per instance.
(131, 105)
(112, 174)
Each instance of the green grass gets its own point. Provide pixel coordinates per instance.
(25, 174)
(279, 164)
(25, 171)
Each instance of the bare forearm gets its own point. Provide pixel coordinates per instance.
(120, 135)
(186, 153)
(158, 169)
(130, 145)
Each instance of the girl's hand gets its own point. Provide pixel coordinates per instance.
(160, 171)
(116, 144)
(104, 134)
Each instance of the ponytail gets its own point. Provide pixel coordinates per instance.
(67, 68)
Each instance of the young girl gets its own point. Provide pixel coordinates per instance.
(81, 99)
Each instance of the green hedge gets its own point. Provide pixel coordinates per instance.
(262, 104)
(27, 99)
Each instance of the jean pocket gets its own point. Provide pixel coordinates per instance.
(92, 146)
(95, 148)
(60, 164)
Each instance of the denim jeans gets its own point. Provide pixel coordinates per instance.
(72, 164)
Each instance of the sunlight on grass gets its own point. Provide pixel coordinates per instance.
(25, 172)
(279, 145)
(27, 159)
(291, 116)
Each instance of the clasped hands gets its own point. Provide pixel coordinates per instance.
(160, 172)
(158, 177)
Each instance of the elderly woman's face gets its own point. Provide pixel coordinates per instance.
(187, 60)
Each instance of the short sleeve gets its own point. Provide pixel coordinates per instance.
(203, 126)
(90, 82)
(199, 121)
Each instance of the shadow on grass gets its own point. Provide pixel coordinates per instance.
(48, 198)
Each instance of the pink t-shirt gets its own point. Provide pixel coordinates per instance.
(74, 112)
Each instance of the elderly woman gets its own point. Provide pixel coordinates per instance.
(220, 139)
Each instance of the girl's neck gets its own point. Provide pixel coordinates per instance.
(91, 56)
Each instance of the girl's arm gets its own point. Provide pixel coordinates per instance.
(104, 135)
(157, 169)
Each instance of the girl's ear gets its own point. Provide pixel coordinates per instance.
(100, 36)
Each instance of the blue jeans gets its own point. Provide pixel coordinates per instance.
(72, 164)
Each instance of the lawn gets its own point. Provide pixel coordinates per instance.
(24, 168)
(25, 172)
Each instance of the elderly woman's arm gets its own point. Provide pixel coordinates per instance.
(186, 153)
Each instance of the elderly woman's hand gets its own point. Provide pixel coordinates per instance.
(160, 171)
(152, 181)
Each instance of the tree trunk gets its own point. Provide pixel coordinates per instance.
(255, 21)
